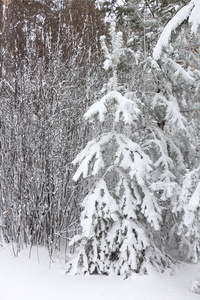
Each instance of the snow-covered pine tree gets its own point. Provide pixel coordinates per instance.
(120, 210)
(177, 76)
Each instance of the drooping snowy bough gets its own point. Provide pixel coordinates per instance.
(120, 213)
(189, 13)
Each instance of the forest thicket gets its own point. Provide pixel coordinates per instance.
(113, 88)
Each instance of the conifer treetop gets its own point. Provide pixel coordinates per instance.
(113, 55)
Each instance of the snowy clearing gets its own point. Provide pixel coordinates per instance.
(23, 278)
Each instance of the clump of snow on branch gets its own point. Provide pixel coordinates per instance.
(92, 151)
(189, 12)
(124, 108)
(99, 200)
(178, 70)
(173, 117)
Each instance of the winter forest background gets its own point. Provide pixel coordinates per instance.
(99, 131)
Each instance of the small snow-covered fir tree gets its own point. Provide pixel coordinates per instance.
(120, 211)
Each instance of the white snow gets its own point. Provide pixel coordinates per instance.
(194, 18)
(194, 201)
(23, 278)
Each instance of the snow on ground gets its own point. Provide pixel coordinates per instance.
(23, 278)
